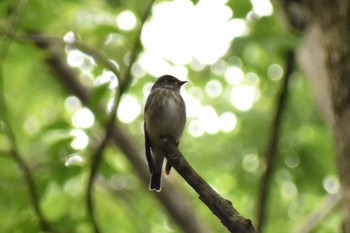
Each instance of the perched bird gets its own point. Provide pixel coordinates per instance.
(165, 116)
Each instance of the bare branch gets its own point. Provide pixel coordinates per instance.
(221, 207)
(272, 148)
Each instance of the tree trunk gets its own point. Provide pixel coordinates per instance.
(325, 57)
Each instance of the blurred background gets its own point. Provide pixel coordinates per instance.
(70, 62)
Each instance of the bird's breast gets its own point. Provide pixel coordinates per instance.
(166, 115)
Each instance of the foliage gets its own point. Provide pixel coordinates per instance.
(46, 123)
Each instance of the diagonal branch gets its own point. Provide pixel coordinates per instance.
(221, 207)
(272, 148)
(99, 57)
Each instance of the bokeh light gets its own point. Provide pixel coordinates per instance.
(234, 75)
(80, 140)
(83, 118)
(178, 31)
(129, 109)
(262, 7)
(75, 58)
(228, 122)
(243, 97)
(69, 37)
(275, 72)
(213, 88)
(126, 20)
(107, 77)
(331, 184)
(72, 104)
(251, 162)
(74, 159)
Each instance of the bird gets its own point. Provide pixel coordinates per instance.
(164, 116)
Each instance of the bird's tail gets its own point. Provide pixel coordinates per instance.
(156, 181)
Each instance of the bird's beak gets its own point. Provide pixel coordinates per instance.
(182, 83)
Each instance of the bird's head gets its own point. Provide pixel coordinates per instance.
(168, 81)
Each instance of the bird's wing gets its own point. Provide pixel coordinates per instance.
(148, 149)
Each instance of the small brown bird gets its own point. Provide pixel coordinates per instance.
(165, 116)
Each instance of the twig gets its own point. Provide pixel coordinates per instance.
(221, 207)
(127, 79)
(272, 148)
(328, 204)
(99, 57)
(33, 193)
(14, 152)
(124, 82)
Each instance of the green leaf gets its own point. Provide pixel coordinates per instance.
(240, 7)
(54, 203)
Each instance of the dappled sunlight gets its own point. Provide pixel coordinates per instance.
(209, 119)
(331, 184)
(213, 88)
(83, 118)
(107, 77)
(262, 7)
(78, 59)
(218, 67)
(193, 104)
(243, 97)
(74, 160)
(69, 37)
(72, 104)
(227, 121)
(71, 66)
(129, 109)
(292, 161)
(157, 66)
(75, 58)
(287, 187)
(31, 125)
(206, 120)
(251, 162)
(275, 72)
(234, 75)
(80, 139)
(195, 128)
(180, 31)
(126, 20)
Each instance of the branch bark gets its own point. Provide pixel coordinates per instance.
(221, 207)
